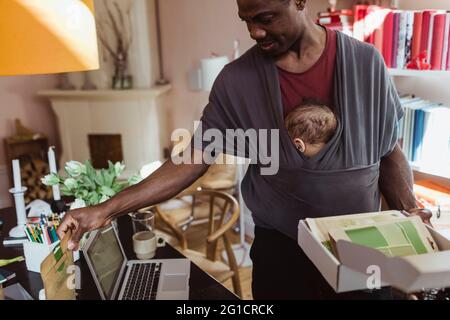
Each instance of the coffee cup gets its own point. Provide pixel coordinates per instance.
(145, 244)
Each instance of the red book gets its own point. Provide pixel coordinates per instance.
(448, 55)
(417, 34)
(446, 40)
(395, 40)
(388, 31)
(425, 30)
(438, 41)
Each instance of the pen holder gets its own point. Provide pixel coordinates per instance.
(35, 253)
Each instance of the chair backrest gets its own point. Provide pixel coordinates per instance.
(221, 219)
(223, 214)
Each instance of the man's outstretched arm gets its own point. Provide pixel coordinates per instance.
(162, 185)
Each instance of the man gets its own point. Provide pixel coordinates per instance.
(294, 59)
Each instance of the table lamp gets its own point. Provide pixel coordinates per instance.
(42, 37)
(50, 36)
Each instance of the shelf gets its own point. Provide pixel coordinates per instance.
(106, 94)
(418, 73)
(439, 172)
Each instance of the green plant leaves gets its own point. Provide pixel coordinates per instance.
(107, 191)
(86, 183)
(66, 191)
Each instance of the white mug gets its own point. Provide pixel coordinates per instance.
(145, 244)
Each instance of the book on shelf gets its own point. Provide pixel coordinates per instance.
(320, 227)
(424, 133)
(397, 238)
(341, 20)
(401, 36)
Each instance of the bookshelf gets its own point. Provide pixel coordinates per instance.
(439, 172)
(426, 84)
(430, 85)
(419, 73)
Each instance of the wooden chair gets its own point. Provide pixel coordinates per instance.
(223, 212)
(219, 177)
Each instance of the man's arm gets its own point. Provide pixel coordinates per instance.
(162, 185)
(396, 181)
(396, 185)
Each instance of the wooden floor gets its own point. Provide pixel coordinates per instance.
(196, 236)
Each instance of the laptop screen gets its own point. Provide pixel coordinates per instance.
(106, 258)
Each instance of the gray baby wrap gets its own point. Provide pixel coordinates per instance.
(343, 177)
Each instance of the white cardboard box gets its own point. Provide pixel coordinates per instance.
(355, 270)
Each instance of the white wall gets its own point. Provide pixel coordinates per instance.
(18, 100)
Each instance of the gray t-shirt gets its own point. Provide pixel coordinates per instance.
(343, 177)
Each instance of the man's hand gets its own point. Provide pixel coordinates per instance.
(81, 221)
(425, 214)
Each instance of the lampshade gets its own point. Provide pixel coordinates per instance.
(210, 69)
(47, 36)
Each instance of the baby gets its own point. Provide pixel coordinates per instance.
(311, 126)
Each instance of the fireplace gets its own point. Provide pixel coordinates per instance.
(104, 148)
(116, 125)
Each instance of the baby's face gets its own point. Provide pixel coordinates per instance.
(308, 149)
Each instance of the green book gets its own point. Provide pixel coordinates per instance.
(398, 238)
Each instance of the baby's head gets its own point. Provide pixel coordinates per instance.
(311, 126)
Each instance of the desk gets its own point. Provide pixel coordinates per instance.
(202, 286)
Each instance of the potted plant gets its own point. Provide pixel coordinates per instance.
(89, 186)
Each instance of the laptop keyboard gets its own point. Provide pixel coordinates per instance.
(143, 282)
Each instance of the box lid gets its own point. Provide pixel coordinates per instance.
(409, 274)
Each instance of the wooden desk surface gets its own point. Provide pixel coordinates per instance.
(202, 286)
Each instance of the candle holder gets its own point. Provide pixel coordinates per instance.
(19, 200)
(59, 206)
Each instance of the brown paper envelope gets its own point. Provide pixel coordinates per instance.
(55, 275)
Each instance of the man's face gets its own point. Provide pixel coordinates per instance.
(274, 24)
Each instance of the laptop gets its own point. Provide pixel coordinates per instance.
(117, 278)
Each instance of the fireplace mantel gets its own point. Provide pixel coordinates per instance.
(105, 94)
(138, 116)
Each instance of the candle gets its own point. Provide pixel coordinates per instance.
(53, 169)
(52, 160)
(16, 175)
